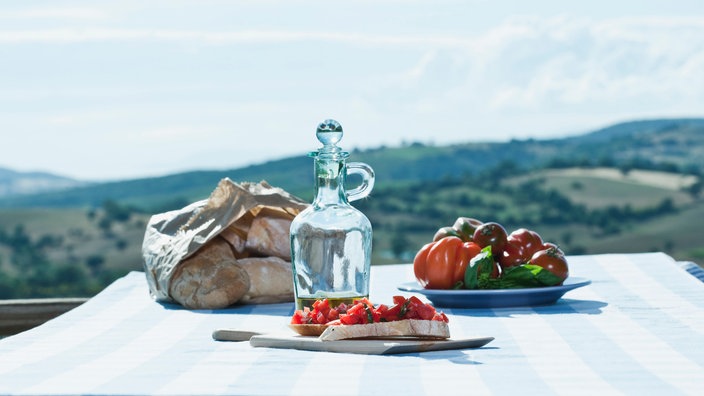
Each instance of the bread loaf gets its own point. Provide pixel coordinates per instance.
(270, 280)
(210, 278)
(213, 278)
(269, 236)
(236, 240)
(190, 255)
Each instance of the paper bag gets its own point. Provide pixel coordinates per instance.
(173, 236)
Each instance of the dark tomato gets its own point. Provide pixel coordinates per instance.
(550, 245)
(491, 234)
(513, 255)
(445, 232)
(528, 239)
(552, 260)
(466, 226)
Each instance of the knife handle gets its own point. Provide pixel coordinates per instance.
(233, 335)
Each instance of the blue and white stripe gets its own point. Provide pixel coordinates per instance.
(637, 329)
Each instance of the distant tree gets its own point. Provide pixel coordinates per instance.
(667, 205)
(115, 211)
(399, 244)
(606, 161)
(669, 245)
(567, 238)
(695, 190)
(577, 250)
(95, 263)
(19, 237)
(625, 169)
(69, 274)
(105, 224)
(121, 244)
(7, 286)
(49, 241)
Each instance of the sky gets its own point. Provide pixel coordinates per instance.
(115, 90)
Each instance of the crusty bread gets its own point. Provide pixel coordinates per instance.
(210, 278)
(396, 329)
(237, 239)
(270, 280)
(269, 236)
(222, 273)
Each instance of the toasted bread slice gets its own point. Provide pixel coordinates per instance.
(406, 328)
(309, 329)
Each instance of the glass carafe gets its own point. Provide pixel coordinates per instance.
(331, 241)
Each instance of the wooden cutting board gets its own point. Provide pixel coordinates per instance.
(361, 346)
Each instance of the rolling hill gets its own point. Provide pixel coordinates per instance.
(14, 183)
(632, 187)
(676, 145)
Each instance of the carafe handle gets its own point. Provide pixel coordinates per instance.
(367, 184)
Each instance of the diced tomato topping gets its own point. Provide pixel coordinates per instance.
(333, 314)
(297, 317)
(363, 311)
(399, 299)
(350, 319)
(391, 314)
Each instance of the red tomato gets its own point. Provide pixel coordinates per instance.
(514, 254)
(552, 260)
(529, 240)
(465, 227)
(445, 232)
(491, 234)
(550, 245)
(442, 264)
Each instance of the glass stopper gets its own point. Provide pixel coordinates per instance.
(329, 132)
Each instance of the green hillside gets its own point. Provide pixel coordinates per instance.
(629, 188)
(673, 145)
(580, 212)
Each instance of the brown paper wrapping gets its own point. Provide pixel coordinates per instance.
(229, 211)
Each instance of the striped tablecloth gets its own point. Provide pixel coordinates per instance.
(637, 329)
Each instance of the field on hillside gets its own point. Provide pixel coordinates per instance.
(635, 213)
(66, 252)
(581, 211)
(602, 187)
(81, 234)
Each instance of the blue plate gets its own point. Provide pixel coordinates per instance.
(497, 298)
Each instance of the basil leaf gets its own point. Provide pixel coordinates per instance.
(526, 275)
(404, 309)
(370, 315)
(545, 277)
(479, 269)
(470, 274)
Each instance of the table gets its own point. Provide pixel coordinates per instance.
(637, 329)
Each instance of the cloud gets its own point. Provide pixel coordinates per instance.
(532, 63)
(253, 36)
(526, 76)
(80, 13)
